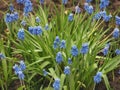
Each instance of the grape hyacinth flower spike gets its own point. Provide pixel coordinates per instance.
(56, 84)
(59, 57)
(98, 77)
(67, 70)
(74, 50)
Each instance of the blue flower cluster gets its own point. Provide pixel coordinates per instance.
(63, 44)
(58, 43)
(2, 56)
(47, 27)
(103, 14)
(19, 70)
(21, 34)
(21, 1)
(104, 3)
(70, 17)
(77, 9)
(84, 48)
(69, 61)
(116, 33)
(106, 49)
(36, 30)
(88, 8)
(64, 2)
(117, 18)
(117, 51)
(11, 17)
(27, 7)
(45, 72)
(56, 84)
(23, 23)
(41, 1)
(67, 70)
(98, 77)
(11, 7)
(74, 50)
(37, 19)
(59, 57)
(88, 1)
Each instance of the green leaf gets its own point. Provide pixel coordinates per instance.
(21, 88)
(38, 61)
(111, 64)
(5, 71)
(52, 73)
(62, 79)
(106, 82)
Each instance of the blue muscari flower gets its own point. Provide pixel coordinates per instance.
(25, 14)
(55, 45)
(106, 49)
(86, 6)
(41, 1)
(45, 72)
(70, 17)
(22, 65)
(117, 19)
(74, 50)
(97, 16)
(21, 1)
(21, 34)
(59, 57)
(103, 13)
(11, 7)
(64, 2)
(63, 44)
(16, 69)
(77, 9)
(30, 29)
(37, 19)
(56, 84)
(57, 39)
(2, 56)
(8, 18)
(11, 17)
(37, 30)
(107, 18)
(56, 42)
(98, 77)
(116, 33)
(90, 9)
(69, 61)
(16, 16)
(23, 23)
(28, 6)
(104, 3)
(84, 48)
(46, 27)
(88, 1)
(117, 51)
(21, 75)
(67, 70)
